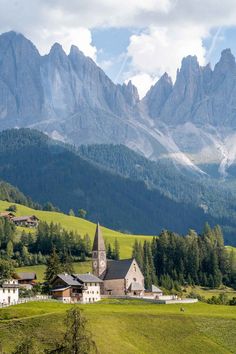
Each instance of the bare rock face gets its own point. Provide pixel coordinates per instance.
(192, 121)
(21, 94)
(157, 96)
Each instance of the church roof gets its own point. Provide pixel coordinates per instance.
(98, 243)
(135, 286)
(88, 278)
(155, 289)
(117, 269)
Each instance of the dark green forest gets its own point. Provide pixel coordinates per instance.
(173, 261)
(217, 198)
(49, 171)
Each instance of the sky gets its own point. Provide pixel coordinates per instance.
(137, 40)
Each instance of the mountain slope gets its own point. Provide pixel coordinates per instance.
(72, 99)
(81, 226)
(198, 113)
(48, 171)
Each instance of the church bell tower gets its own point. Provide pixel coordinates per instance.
(99, 258)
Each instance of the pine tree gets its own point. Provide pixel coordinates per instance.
(10, 249)
(77, 339)
(71, 212)
(54, 266)
(87, 244)
(109, 251)
(67, 262)
(116, 252)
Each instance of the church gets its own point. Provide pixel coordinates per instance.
(122, 277)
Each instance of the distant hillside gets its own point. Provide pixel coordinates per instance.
(48, 171)
(216, 199)
(81, 226)
(12, 194)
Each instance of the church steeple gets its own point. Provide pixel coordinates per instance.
(99, 253)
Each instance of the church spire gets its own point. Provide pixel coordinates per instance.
(98, 243)
(99, 259)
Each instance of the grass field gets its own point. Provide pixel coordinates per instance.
(208, 293)
(129, 327)
(81, 226)
(79, 267)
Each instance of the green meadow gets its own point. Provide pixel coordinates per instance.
(82, 226)
(79, 267)
(128, 326)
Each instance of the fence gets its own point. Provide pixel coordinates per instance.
(24, 300)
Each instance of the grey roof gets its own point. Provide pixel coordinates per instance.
(117, 269)
(155, 289)
(88, 278)
(98, 243)
(69, 279)
(61, 288)
(136, 286)
(7, 285)
(25, 218)
(27, 275)
(79, 279)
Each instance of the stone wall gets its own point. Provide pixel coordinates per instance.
(116, 286)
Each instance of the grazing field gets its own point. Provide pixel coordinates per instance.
(208, 292)
(132, 327)
(79, 267)
(80, 225)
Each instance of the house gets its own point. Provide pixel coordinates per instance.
(7, 215)
(122, 277)
(26, 221)
(9, 292)
(83, 288)
(26, 279)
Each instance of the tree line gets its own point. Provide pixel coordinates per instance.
(171, 260)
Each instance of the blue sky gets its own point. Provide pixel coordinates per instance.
(129, 39)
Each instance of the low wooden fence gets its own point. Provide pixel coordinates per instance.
(24, 300)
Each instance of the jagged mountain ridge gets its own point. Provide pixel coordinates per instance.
(190, 122)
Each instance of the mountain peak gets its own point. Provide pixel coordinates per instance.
(57, 49)
(227, 57)
(190, 62)
(74, 50)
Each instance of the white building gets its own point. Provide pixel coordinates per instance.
(9, 292)
(83, 288)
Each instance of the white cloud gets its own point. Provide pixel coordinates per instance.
(143, 82)
(161, 49)
(81, 37)
(173, 28)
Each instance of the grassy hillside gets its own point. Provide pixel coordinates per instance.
(80, 225)
(129, 327)
(79, 267)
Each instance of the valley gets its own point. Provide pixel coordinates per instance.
(133, 326)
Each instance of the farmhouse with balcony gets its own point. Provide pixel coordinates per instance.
(26, 279)
(26, 221)
(83, 288)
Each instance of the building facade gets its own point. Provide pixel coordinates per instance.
(9, 292)
(84, 288)
(122, 277)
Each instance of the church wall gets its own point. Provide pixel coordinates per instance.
(117, 286)
(134, 275)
